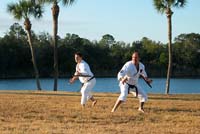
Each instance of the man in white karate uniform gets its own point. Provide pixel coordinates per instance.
(128, 77)
(86, 77)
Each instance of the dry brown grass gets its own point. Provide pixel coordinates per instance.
(31, 112)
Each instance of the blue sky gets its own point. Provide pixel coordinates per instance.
(126, 20)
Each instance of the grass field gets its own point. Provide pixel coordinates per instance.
(33, 112)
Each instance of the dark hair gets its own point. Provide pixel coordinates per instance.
(79, 54)
(136, 52)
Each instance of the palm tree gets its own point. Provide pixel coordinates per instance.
(165, 6)
(55, 13)
(24, 10)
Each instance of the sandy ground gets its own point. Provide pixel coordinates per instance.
(33, 112)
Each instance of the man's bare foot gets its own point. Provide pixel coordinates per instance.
(94, 103)
(113, 110)
(141, 110)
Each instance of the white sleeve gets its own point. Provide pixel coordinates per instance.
(142, 71)
(76, 72)
(122, 72)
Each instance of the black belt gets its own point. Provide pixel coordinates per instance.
(132, 86)
(87, 81)
(90, 79)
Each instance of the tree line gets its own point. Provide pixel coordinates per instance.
(105, 56)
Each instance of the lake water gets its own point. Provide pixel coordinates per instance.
(177, 86)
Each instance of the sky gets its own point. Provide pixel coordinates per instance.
(125, 20)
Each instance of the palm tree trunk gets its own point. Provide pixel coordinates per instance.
(169, 15)
(33, 60)
(55, 13)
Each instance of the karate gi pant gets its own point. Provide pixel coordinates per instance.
(142, 96)
(86, 90)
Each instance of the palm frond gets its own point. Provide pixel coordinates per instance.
(64, 2)
(15, 11)
(160, 5)
(180, 3)
(46, 1)
(68, 2)
(38, 11)
(25, 9)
